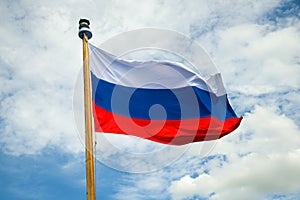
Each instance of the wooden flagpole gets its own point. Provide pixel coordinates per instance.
(85, 34)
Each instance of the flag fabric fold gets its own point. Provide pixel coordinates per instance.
(162, 101)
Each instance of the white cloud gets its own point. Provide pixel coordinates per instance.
(251, 177)
(37, 119)
(259, 54)
(150, 185)
(263, 160)
(37, 79)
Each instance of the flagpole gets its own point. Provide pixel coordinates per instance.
(85, 34)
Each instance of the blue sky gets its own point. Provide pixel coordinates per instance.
(254, 44)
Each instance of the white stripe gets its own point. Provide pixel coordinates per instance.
(150, 74)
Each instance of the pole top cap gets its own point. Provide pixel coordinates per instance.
(84, 28)
(84, 21)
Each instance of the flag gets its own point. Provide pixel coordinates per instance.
(162, 101)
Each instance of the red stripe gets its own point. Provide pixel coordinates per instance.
(175, 132)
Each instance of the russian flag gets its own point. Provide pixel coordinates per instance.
(162, 101)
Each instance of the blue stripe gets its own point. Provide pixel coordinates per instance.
(180, 103)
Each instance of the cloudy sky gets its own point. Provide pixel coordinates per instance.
(254, 44)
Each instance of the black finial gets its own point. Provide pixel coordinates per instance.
(84, 28)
